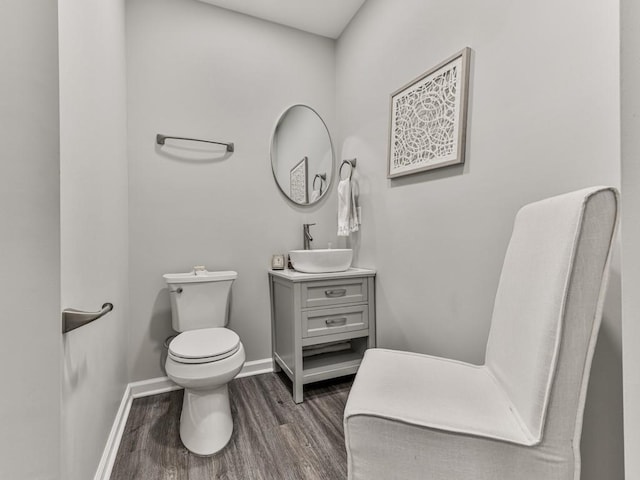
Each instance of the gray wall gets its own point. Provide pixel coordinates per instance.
(94, 225)
(200, 71)
(630, 101)
(543, 120)
(30, 253)
(540, 124)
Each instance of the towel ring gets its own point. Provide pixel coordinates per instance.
(322, 177)
(352, 165)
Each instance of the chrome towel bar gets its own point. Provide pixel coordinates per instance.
(160, 139)
(72, 318)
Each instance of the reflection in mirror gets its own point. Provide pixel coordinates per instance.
(302, 155)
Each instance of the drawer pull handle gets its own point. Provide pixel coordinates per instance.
(334, 322)
(341, 292)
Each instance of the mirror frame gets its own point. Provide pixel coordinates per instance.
(330, 175)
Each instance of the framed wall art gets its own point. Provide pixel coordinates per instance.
(298, 182)
(429, 118)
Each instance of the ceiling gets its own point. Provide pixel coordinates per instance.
(322, 17)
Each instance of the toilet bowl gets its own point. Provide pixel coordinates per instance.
(206, 424)
(203, 359)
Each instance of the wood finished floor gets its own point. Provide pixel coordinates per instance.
(273, 438)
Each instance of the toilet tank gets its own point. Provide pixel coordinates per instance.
(199, 299)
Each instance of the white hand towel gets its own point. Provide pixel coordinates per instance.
(348, 218)
(315, 195)
(354, 222)
(344, 210)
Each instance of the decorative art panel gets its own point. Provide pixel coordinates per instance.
(298, 182)
(428, 119)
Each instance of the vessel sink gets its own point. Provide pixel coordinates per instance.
(321, 260)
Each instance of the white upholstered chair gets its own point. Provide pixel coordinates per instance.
(518, 416)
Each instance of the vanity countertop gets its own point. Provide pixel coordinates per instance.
(296, 276)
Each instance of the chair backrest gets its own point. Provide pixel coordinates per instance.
(548, 306)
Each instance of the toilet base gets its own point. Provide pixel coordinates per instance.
(205, 423)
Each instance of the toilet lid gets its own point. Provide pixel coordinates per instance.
(204, 345)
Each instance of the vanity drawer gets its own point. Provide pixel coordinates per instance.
(328, 321)
(334, 292)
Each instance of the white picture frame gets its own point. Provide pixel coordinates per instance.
(428, 118)
(298, 191)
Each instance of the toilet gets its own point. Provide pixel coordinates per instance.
(204, 357)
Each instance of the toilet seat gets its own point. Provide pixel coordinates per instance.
(204, 345)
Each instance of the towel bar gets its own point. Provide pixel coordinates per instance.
(160, 139)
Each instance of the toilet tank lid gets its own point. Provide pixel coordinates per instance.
(200, 276)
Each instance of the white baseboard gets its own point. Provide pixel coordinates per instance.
(152, 386)
(115, 435)
(256, 367)
(146, 388)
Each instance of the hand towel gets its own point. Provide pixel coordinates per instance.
(355, 221)
(348, 218)
(315, 195)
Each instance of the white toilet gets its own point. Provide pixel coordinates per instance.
(204, 357)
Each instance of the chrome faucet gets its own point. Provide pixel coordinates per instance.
(306, 236)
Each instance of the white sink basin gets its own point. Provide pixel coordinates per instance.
(321, 260)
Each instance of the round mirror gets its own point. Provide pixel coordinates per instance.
(302, 155)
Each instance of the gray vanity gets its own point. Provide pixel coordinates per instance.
(321, 323)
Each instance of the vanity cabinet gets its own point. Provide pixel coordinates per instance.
(321, 323)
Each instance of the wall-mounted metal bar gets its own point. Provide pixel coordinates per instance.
(160, 139)
(72, 318)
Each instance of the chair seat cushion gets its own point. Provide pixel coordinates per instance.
(435, 393)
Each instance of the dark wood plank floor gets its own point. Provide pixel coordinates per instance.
(273, 438)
